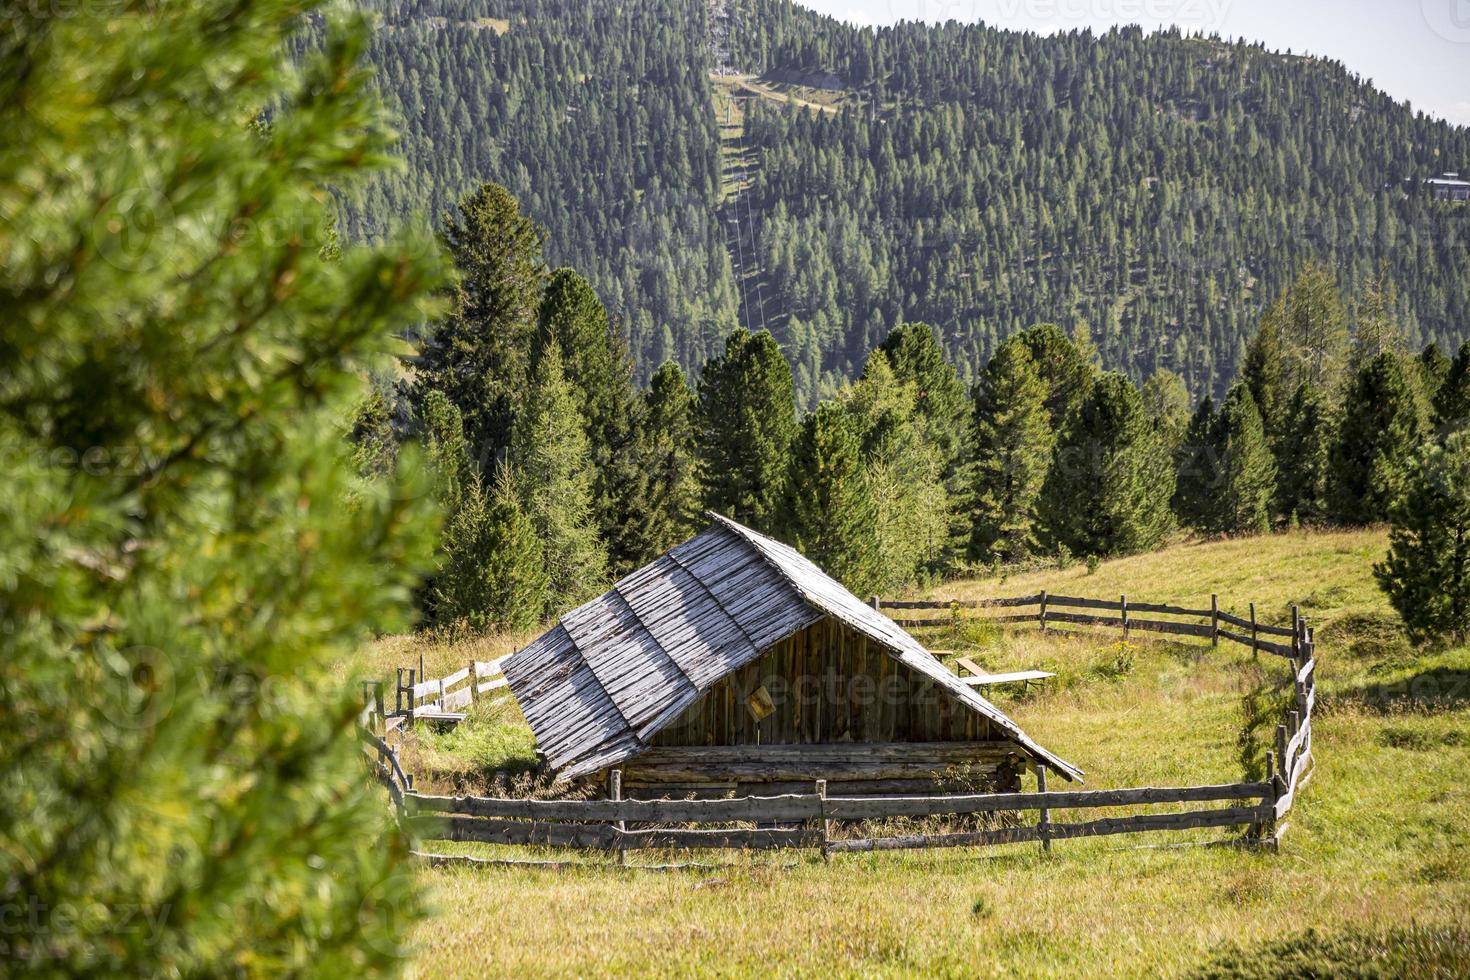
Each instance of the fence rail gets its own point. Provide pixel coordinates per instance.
(442, 698)
(1049, 606)
(806, 820)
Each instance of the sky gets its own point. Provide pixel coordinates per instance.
(1415, 50)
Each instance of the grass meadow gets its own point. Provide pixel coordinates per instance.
(1372, 879)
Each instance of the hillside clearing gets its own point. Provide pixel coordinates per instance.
(1377, 843)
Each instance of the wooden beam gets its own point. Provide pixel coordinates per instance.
(1043, 823)
(602, 836)
(826, 824)
(1082, 619)
(1234, 816)
(774, 809)
(877, 807)
(615, 795)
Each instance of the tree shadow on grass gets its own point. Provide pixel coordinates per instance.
(1437, 689)
(1262, 706)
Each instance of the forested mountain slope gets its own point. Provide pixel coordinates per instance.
(749, 161)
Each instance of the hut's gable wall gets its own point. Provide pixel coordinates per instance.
(827, 683)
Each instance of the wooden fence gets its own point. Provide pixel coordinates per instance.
(440, 698)
(807, 819)
(1053, 610)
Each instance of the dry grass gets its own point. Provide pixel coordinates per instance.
(1377, 841)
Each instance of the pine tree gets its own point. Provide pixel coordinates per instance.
(493, 575)
(1013, 442)
(554, 482)
(1199, 468)
(601, 374)
(1314, 330)
(1305, 457)
(674, 491)
(1264, 372)
(747, 421)
(1376, 321)
(374, 443)
(441, 430)
(1166, 399)
(184, 574)
(1434, 370)
(1082, 341)
(904, 473)
(1249, 471)
(827, 512)
(917, 359)
(1110, 482)
(1068, 375)
(1426, 574)
(1452, 401)
(1384, 424)
(593, 359)
(479, 355)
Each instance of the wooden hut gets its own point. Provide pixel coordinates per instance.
(734, 663)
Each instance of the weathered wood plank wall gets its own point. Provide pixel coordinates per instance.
(827, 684)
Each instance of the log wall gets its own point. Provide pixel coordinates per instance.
(827, 703)
(826, 684)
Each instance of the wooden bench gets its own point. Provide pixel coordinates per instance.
(980, 678)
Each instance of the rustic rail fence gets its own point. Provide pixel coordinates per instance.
(436, 699)
(807, 819)
(1052, 610)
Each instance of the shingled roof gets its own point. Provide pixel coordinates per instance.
(601, 683)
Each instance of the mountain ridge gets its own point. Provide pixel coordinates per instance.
(978, 179)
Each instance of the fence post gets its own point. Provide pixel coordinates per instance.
(1267, 827)
(474, 683)
(826, 824)
(1045, 821)
(1310, 684)
(1123, 603)
(1214, 620)
(398, 693)
(412, 697)
(1254, 649)
(1296, 632)
(877, 604)
(615, 793)
(1042, 616)
(1281, 761)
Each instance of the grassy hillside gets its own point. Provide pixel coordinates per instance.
(1377, 843)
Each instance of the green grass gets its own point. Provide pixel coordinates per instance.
(1372, 880)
